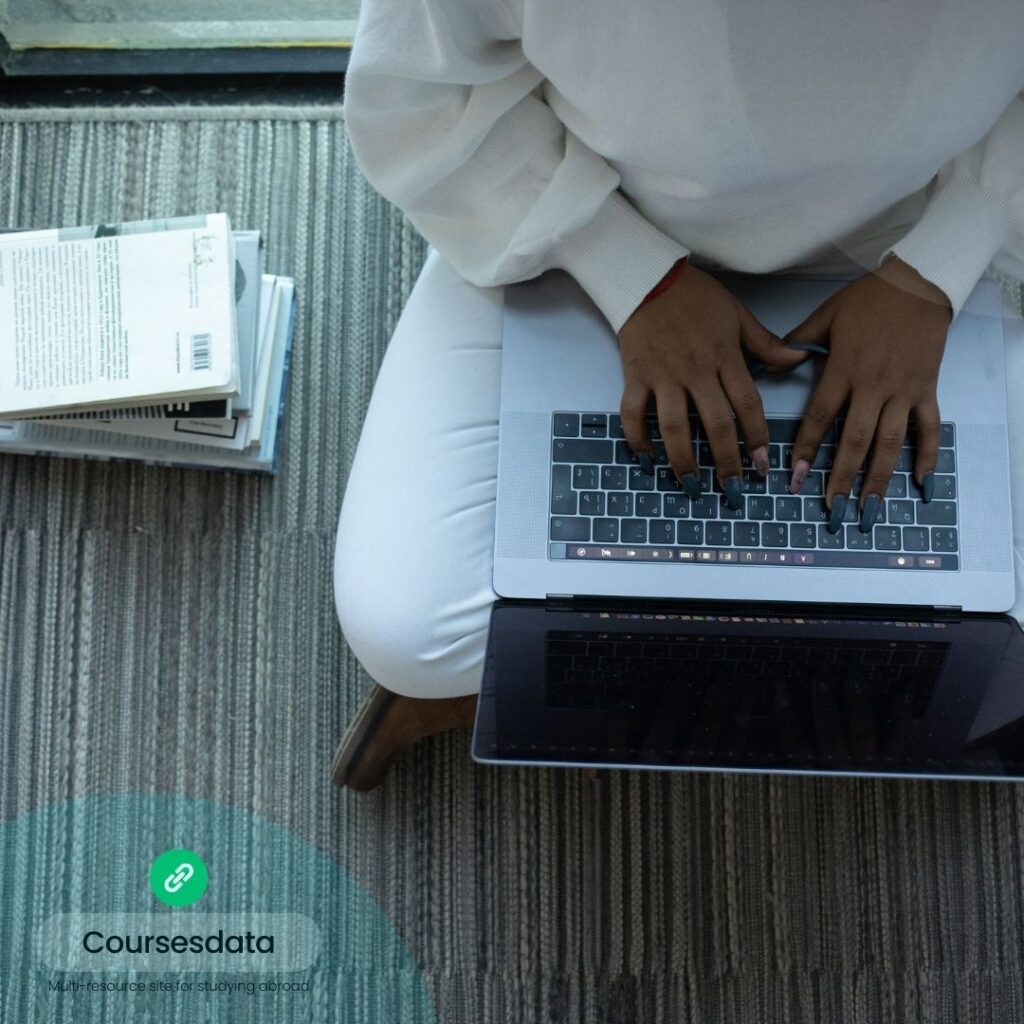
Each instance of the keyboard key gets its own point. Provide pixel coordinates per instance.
(661, 531)
(594, 430)
(887, 538)
(905, 462)
(689, 532)
(591, 503)
(582, 450)
(606, 531)
(639, 480)
(665, 479)
(615, 426)
(567, 424)
(775, 535)
(761, 508)
(624, 455)
(704, 456)
(751, 483)
(814, 484)
(613, 478)
(789, 510)
(653, 430)
(568, 528)
(783, 430)
(946, 435)
(946, 462)
(707, 480)
(897, 486)
(774, 456)
(724, 512)
(718, 534)
(945, 486)
(746, 535)
(620, 503)
(648, 504)
(815, 510)
(677, 505)
(936, 513)
(944, 538)
(778, 481)
(857, 541)
(706, 507)
(633, 531)
(825, 457)
(802, 535)
(585, 478)
(915, 538)
(594, 419)
(563, 497)
(829, 540)
(660, 455)
(901, 512)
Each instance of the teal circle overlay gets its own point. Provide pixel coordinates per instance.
(93, 855)
(178, 878)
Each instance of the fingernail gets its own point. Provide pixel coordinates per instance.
(835, 520)
(759, 456)
(691, 485)
(646, 464)
(733, 493)
(869, 513)
(807, 346)
(799, 478)
(928, 487)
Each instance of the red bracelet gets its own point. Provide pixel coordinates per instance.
(667, 281)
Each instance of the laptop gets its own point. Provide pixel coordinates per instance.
(636, 628)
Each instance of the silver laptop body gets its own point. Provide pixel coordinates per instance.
(560, 354)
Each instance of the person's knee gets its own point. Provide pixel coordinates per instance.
(402, 635)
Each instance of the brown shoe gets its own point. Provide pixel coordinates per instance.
(386, 725)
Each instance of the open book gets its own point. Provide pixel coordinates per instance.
(158, 341)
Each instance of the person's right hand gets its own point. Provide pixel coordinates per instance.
(686, 345)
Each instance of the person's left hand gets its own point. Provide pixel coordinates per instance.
(886, 333)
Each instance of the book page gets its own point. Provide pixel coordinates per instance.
(113, 318)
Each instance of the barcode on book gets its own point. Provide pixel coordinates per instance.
(200, 351)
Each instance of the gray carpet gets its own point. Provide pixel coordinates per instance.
(170, 631)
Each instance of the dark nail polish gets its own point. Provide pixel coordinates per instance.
(869, 513)
(645, 464)
(928, 487)
(733, 493)
(691, 485)
(835, 520)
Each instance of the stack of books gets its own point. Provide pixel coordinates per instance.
(154, 341)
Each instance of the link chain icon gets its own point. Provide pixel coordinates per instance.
(178, 877)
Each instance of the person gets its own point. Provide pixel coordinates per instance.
(640, 151)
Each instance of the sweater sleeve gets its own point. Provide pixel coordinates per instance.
(447, 120)
(975, 213)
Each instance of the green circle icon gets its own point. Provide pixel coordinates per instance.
(178, 877)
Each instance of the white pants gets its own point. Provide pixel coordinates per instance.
(413, 560)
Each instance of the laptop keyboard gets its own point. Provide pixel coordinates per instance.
(604, 507)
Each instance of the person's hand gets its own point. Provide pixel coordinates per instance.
(886, 333)
(685, 347)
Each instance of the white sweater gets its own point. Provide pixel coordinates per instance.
(610, 139)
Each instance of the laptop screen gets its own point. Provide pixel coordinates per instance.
(750, 691)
